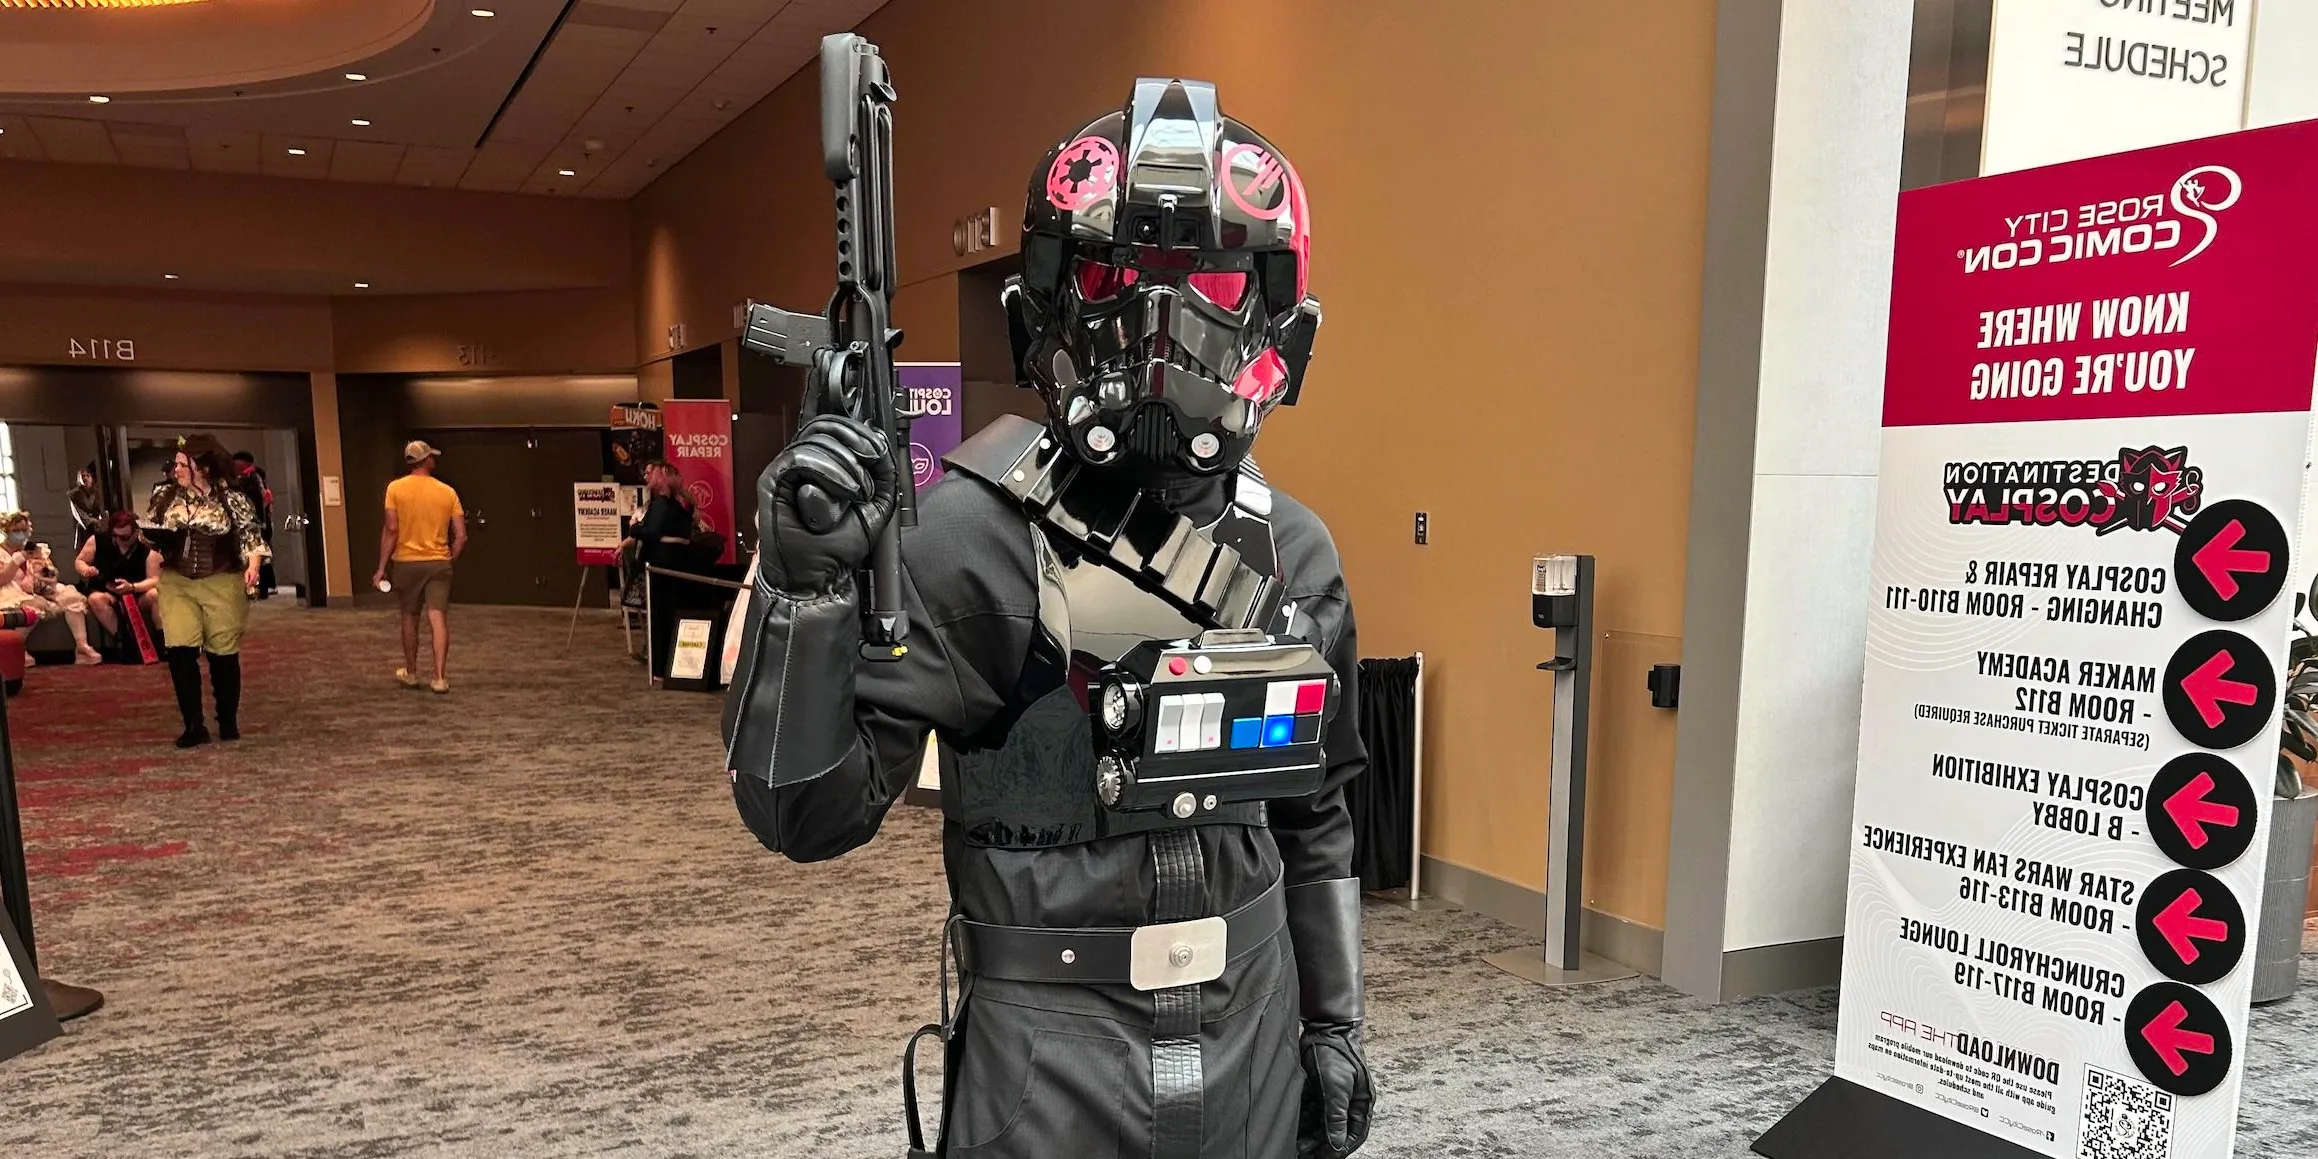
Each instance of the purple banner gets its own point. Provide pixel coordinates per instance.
(934, 395)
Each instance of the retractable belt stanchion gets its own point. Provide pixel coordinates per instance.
(1562, 599)
(67, 1001)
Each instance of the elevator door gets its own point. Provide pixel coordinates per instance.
(516, 488)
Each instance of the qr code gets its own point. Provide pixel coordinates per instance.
(2124, 1119)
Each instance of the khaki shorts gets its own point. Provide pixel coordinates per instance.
(421, 584)
(206, 613)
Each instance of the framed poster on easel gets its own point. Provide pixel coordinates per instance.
(25, 1019)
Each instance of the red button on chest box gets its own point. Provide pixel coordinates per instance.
(1311, 696)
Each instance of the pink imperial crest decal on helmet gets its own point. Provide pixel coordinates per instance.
(1262, 182)
(1083, 175)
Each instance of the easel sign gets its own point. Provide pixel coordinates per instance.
(25, 1019)
(688, 664)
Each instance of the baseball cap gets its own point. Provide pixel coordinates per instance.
(416, 450)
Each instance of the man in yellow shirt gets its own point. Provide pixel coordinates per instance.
(426, 529)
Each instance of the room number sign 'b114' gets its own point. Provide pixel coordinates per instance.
(102, 349)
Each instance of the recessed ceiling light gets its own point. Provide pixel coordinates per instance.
(361, 285)
(296, 152)
(357, 76)
(565, 173)
(169, 277)
(94, 100)
(485, 13)
(361, 123)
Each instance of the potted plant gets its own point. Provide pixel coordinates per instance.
(2293, 819)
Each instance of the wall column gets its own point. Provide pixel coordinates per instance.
(1810, 111)
(330, 460)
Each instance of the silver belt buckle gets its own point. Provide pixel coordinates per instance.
(1178, 954)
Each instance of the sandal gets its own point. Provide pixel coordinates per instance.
(408, 678)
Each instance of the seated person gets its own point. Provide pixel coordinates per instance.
(115, 565)
(28, 579)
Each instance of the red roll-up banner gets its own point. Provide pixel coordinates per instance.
(698, 437)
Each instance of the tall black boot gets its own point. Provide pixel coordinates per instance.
(185, 677)
(225, 679)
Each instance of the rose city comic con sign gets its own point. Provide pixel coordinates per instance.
(2096, 411)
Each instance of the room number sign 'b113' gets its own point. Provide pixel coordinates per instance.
(102, 349)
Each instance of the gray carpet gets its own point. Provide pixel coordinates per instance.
(522, 920)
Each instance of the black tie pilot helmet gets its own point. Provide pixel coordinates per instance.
(1161, 310)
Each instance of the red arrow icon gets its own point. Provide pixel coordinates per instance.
(2165, 1036)
(2192, 810)
(2208, 690)
(2221, 558)
(2183, 929)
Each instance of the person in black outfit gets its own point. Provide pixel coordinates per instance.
(1179, 982)
(117, 565)
(662, 538)
(250, 480)
(88, 518)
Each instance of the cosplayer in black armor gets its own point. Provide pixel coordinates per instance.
(1143, 972)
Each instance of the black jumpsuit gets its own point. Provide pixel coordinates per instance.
(1044, 1070)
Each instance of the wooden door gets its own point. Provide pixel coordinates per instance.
(559, 459)
(491, 471)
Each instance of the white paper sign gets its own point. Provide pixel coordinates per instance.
(2069, 79)
(15, 998)
(690, 660)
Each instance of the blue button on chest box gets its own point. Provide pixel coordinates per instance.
(1247, 732)
(1279, 730)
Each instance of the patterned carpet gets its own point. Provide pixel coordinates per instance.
(522, 920)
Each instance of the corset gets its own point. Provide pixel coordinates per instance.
(205, 555)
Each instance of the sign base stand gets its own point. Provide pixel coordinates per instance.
(1843, 1120)
(68, 1001)
(1530, 965)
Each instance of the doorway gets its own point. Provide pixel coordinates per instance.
(516, 488)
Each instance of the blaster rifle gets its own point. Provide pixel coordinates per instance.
(847, 349)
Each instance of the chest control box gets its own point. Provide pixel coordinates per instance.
(1189, 725)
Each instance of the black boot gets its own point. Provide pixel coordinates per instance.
(225, 680)
(185, 677)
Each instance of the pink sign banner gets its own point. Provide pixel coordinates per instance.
(2168, 281)
(698, 437)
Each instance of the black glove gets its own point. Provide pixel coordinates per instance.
(1337, 1094)
(1324, 926)
(821, 504)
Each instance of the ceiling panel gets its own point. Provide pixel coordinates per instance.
(376, 161)
(74, 141)
(276, 160)
(431, 165)
(626, 17)
(17, 141)
(620, 92)
(223, 150)
(151, 146)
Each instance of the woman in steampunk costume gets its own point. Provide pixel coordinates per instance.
(211, 548)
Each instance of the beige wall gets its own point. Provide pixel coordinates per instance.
(168, 330)
(524, 332)
(219, 231)
(1509, 202)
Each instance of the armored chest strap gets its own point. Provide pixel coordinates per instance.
(1224, 579)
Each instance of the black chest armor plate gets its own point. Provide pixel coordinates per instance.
(1028, 781)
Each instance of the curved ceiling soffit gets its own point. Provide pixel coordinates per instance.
(69, 53)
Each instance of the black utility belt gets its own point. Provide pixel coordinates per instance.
(1154, 957)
